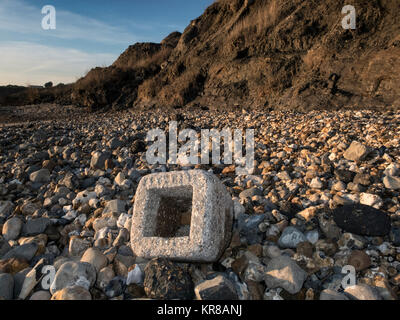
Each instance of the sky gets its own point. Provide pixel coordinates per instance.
(88, 33)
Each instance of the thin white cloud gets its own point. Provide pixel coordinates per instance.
(25, 63)
(20, 17)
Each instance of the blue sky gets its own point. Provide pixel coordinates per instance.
(88, 33)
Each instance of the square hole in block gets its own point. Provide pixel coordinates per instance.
(174, 213)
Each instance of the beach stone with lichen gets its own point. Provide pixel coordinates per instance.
(167, 280)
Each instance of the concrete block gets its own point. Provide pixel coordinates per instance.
(182, 216)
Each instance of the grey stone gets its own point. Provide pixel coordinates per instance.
(29, 208)
(6, 286)
(210, 222)
(41, 176)
(4, 247)
(97, 259)
(255, 272)
(70, 181)
(12, 228)
(77, 246)
(108, 220)
(26, 251)
(291, 237)
(392, 170)
(219, 288)
(249, 193)
(34, 227)
(104, 277)
(330, 294)
(356, 152)
(40, 296)
(74, 273)
(283, 272)
(122, 238)
(19, 279)
(122, 264)
(6, 208)
(115, 206)
(392, 183)
(98, 160)
(362, 292)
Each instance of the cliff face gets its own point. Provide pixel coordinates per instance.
(291, 54)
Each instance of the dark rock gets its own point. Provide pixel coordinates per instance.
(362, 220)
(344, 175)
(289, 209)
(24, 252)
(6, 286)
(48, 257)
(135, 291)
(305, 248)
(4, 246)
(41, 176)
(248, 227)
(115, 287)
(167, 280)
(219, 288)
(35, 226)
(138, 146)
(395, 236)
(88, 182)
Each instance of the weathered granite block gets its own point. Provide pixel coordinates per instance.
(183, 215)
